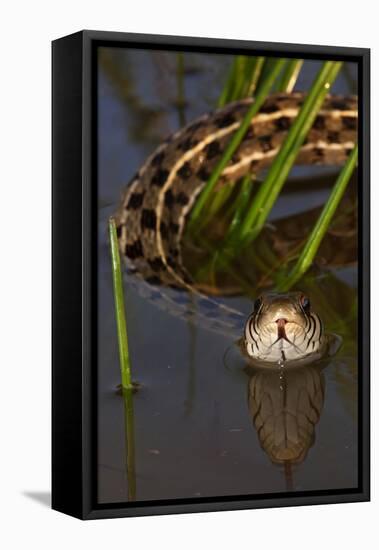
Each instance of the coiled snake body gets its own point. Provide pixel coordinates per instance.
(152, 215)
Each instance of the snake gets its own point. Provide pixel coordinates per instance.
(283, 328)
(155, 205)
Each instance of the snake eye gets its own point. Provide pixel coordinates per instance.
(257, 304)
(305, 303)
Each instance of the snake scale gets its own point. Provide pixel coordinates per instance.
(152, 214)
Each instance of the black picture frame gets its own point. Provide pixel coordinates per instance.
(74, 312)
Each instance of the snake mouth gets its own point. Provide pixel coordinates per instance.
(281, 334)
(281, 324)
(281, 327)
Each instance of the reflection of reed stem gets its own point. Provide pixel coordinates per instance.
(119, 307)
(130, 442)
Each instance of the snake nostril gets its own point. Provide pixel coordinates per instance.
(281, 322)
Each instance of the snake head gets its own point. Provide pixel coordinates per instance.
(282, 327)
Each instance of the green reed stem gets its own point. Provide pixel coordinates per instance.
(119, 307)
(231, 83)
(269, 63)
(242, 80)
(240, 77)
(314, 240)
(234, 143)
(252, 71)
(278, 173)
(216, 202)
(254, 77)
(220, 256)
(222, 100)
(233, 91)
(290, 74)
(239, 206)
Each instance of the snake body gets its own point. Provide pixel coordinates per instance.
(155, 204)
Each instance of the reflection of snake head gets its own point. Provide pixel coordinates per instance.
(282, 328)
(285, 407)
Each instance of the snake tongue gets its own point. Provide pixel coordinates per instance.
(281, 323)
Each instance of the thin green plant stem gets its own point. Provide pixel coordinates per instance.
(266, 69)
(286, 157)
(307, 116)
(231, 207)
(225, 94)
(250, 63)
(119, 307)
(233, 81)
(240, 206)
(242, 80)
(244, 77)
(216, 202)
(233, 144)
(255, 74)
(313, 243)
(239, 78)
(275, 169)
(253, 66)
(290, 74)
(220, 256)
(126, 383)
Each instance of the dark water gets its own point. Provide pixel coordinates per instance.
(194, 431)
